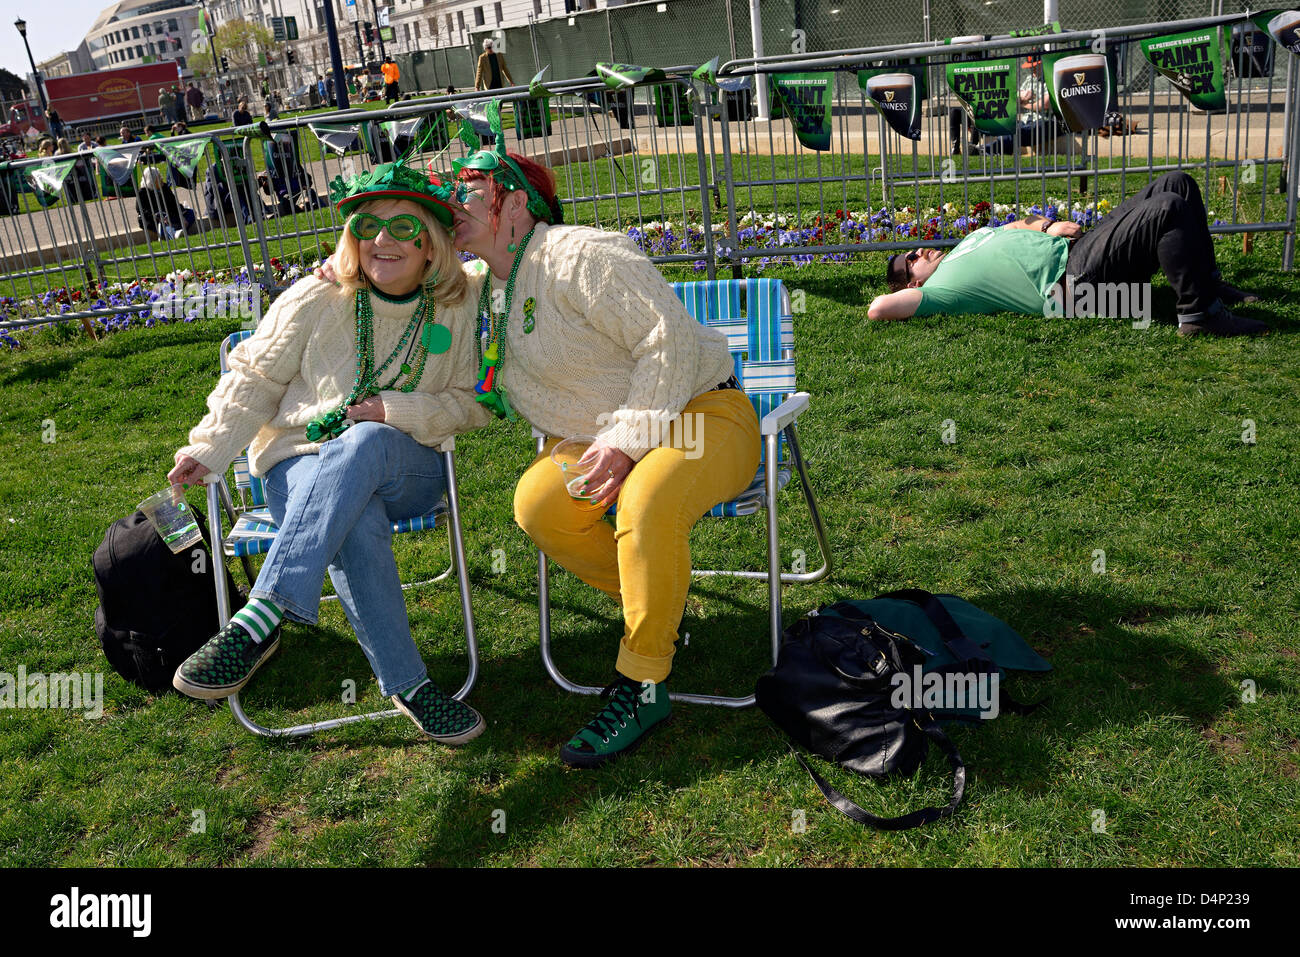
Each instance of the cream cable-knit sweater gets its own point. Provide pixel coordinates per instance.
(613, 352)
(301, 363)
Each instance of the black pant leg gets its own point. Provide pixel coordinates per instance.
(1161, 230)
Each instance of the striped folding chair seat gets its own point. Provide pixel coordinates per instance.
(755, 314)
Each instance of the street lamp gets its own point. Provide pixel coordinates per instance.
(21, 24)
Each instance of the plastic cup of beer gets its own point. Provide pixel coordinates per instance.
(172, 518)
(565, 455)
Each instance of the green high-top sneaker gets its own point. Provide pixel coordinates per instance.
(632, 710)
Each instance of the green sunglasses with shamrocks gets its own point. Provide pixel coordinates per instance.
(402, 228)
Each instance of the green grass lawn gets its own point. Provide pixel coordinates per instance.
(1072, 436)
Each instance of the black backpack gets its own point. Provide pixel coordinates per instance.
(834, 689)
(155, 609)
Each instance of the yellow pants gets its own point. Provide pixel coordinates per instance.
(643, 561)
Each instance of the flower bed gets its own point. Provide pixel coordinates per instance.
(777, 230)
(189, 291)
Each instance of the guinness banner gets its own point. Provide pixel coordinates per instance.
(897, 93)
(1080, 85)
(1252, 51)
(1285, 29)
(988, 89)
(1194, 62)
(806, 98)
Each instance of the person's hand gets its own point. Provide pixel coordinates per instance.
(187, 471)
(1066, 228)
(607, 469)
(326, 271)
(368, 410)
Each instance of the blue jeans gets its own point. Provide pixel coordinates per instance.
(335, 509)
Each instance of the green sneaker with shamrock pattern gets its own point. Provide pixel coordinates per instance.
(224, 665)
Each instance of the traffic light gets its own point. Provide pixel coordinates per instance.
(225, 65)
(291, 57)
(369, 31)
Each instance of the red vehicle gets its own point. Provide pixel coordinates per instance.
(21, 117)
(108, 94)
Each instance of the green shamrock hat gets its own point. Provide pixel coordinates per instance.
(497, 163)
(395, 181)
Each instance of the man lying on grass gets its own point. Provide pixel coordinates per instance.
(1039, 267)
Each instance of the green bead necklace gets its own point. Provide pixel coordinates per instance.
(333, 424)
(492, 327)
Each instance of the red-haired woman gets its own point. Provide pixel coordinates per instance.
(584, 337)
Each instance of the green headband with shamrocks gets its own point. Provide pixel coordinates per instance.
(499, 163)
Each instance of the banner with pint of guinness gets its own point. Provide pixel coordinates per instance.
(1080, 85)
(1195, 63)
(806, 98)
(897, 92)
(987, 88)
(1252, 50)
(1284, 27)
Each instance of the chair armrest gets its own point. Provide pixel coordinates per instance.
(785, 413)
(538, 433)
(449, 445)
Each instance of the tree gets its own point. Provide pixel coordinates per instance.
(11, 87)
(240, 42)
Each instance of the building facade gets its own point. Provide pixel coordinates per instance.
(136, 32)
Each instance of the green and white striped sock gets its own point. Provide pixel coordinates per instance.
(259, 618)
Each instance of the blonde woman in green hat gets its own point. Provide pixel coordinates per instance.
(344, 392)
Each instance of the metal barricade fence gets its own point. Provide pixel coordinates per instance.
(693, 174)
(924, 192)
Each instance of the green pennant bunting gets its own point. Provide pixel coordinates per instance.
(987, 88)
(118, 164)
(806, 97)
(618, 76)
(1195, 63)
(50, 175)
(256, 131)
(535, 88)
(395, 129)
(341, 138)
(184, 156)
(707, 73)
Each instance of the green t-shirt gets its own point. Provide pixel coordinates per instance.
(996, 270)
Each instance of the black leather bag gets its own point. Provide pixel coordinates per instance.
(831, 692)
(156, 608)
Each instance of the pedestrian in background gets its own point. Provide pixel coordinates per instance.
(391, 75)
(194, 99)
(491, 70)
